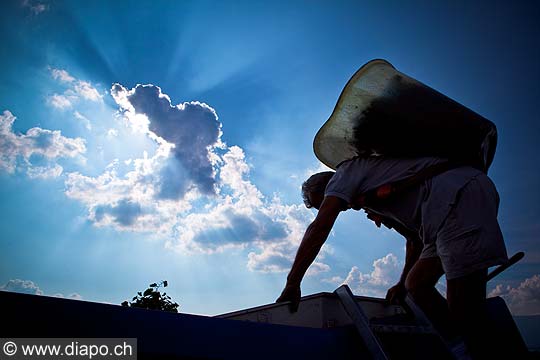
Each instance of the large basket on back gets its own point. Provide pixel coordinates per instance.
(382, 111)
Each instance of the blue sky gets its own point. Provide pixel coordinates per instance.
(97, 203)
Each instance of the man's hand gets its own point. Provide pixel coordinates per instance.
(291, 293)
(396, 294)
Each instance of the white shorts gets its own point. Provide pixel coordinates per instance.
(470, 238)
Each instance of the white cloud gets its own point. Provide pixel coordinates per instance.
(62, 75)
(83, 119)
(385, 273)
(16, 150)
(242, 218)
(317, 268)
(60, 101)
(76, 90)
(29, 287)
(72, 296)
(522, 300)
(22, 286)
(233, 174)
(44, 172)
(336, 280)
(85, 90)
(270, 260)
(35, 8)
(112, 133)
(130, 202)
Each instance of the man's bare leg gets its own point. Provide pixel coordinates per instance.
(467, 304)
(420, 284)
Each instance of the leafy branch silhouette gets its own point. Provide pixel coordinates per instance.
(151, 298)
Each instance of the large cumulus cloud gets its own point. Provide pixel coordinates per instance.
(192, 127)
(194, 191)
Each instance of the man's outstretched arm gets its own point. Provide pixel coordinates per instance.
(314, 238)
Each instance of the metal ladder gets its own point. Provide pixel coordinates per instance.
(368, 331)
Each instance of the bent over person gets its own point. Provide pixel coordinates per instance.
(449, 221)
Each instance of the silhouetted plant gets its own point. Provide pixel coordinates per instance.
(151, 298)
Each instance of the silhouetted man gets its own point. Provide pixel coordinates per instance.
(449, 221)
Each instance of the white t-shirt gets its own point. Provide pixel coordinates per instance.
(421, 208)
